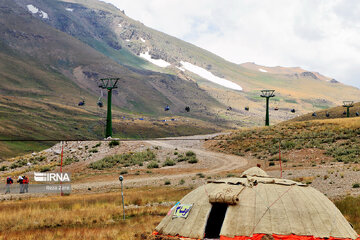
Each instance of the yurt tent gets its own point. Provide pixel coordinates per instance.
(256, 206)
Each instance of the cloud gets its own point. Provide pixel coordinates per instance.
(318, 35)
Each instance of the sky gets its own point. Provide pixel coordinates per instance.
(317, 35)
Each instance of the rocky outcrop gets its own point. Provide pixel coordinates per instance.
(309, 74)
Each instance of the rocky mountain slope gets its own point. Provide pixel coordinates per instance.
(53, 53)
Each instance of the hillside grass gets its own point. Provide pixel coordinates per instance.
(339, 139)
(95, 216)
(350, 208)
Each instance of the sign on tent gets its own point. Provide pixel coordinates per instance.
(182, 211)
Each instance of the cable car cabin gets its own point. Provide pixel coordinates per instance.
(100, 104)
(276, 109)
(81, 103)
(229, 108)
(187, 109)
(357, 114)
(247, 108)
(167, 108)
(327, 114)
(292, 110)
(314, 114)
(344, 113)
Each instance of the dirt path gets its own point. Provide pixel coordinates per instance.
(210, 163)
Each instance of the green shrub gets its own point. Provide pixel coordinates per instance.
(356, 185)
(190, 154)
(94, 150)
(200, 175)
(169, 162)
(192, 160)
(69, 161)
(182, 182)
(97, 145)
(114, 143)
(167, 182)
(124, 160)
(153, 164)
(18, 163)
(45, 169)
(181, 158)
(3, 168)
(124, 172)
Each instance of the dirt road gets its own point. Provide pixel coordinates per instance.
(210, 163)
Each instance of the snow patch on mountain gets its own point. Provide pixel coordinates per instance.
(44, 14)
(69, 9)
(209, 76)
(180, 68)
(143, 40)
(35, 10)
(158, 62)
(262, 70)
(32, 8)
(119, 25)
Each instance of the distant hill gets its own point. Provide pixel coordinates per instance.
(335, 112)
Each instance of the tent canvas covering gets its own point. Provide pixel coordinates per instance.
(258, 206)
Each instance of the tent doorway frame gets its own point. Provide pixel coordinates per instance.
(215, 220)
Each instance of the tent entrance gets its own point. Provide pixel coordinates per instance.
(215, 221)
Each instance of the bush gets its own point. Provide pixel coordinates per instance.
(123, 172)
(3, 168)
(167, 182)
(181, 158)
(69, 161)
(18, 163)
(169, 162)
(94, 150)
(45, 169)
(193, 160)
(182, 182)
(200, 175)
(124, 160)
(153, 164)
(97, 145)
(114, 143)
(271, 164)
(356, 185)
(190, 154)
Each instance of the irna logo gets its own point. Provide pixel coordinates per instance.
(51, 177)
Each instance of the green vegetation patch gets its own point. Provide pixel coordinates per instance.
(338, 140)
(124, 160)
(189, 157)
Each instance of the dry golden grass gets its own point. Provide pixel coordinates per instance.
(95, 216)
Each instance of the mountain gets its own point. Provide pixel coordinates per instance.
(53, 53)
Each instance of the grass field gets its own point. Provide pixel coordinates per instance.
(336, 139)
(96, 216)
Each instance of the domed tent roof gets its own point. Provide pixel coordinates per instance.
(257, 206)
(255, 172)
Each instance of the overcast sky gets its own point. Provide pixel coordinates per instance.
(317, 35)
